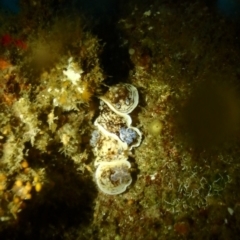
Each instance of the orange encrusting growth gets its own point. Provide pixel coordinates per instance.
(86, 92)
(4, 64)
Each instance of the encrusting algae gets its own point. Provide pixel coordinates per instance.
(46, 93)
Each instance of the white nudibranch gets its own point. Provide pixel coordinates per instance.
(122, 98)
(113, 177)
(114, 138)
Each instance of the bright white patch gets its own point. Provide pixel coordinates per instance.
(153, 176)
(72, 76)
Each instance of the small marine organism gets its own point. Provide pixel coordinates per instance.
(122, 98)
(115, 139)
(155, 127)
(113, 177)
(127, 135)
(94, 138)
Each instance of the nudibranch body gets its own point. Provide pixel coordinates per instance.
(114, 138)
(122, 98)
(113, 177)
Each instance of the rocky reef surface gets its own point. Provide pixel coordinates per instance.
(179, 146)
